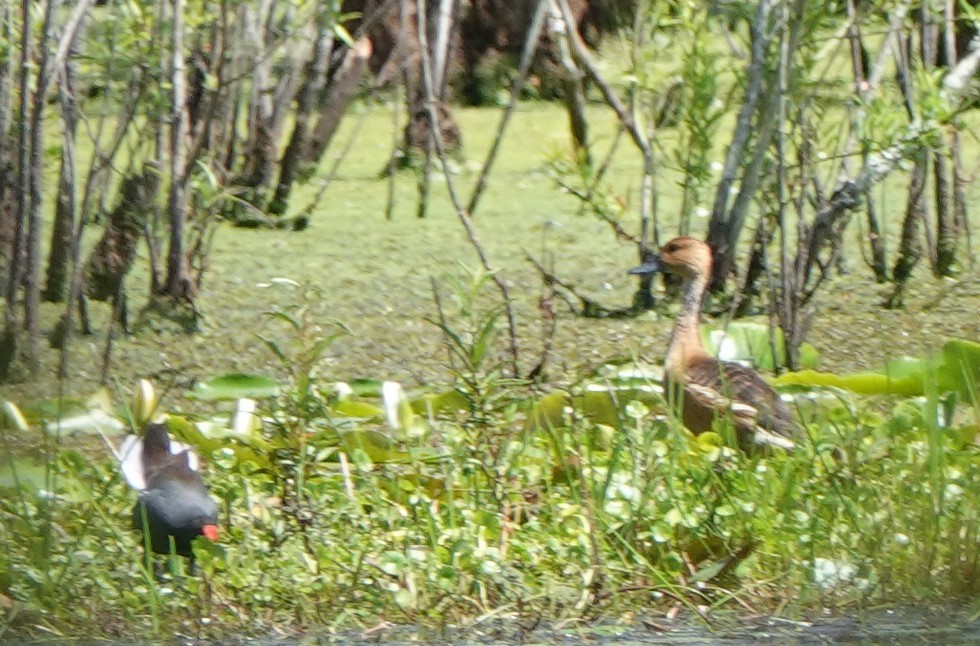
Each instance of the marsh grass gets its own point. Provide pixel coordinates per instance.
(483, 516)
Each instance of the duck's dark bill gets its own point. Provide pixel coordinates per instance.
(651, 266)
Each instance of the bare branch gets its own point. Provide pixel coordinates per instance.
(527, 55)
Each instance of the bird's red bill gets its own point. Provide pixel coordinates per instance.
(210, 532)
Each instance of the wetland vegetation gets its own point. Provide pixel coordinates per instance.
(472, 497)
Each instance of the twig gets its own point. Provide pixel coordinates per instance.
(589, 307)
(626, 117)
(435, 133)
(589, 198)
(442, 323)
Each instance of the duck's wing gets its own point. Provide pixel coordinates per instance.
(735, 390)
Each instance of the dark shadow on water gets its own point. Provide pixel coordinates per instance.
(895, 626)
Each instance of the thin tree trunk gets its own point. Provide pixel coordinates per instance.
(863, 89)
(629, 120)
(289, 72)
(879, 257)
(431, 19)
(578, 123)
(718, 226)
(402, 94)
(178, 285)
(236, 69)
(316, 72)
(418, 113)
(260, 147)
(950, 200)
(10, 342)
(343, 88)
(94, 188)
(724, 236)
(442, 28)
(945, 215)
(573, 89)
(735, 221)
(6, 76)
(910, 247)
(754, 271)
(32, 277)
(7, 217)
(908, 144)
(206, 129)
(786, 297)
(959, 192)
(56, 279)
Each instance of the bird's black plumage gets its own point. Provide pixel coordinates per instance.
(175, 502)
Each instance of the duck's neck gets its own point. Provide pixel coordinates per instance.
(685, 340)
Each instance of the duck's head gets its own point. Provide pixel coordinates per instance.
(685, 256)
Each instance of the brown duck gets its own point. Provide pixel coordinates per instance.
(701, 387)
(173, 497)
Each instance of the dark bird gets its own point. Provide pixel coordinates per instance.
(701, 387)
(173, 497)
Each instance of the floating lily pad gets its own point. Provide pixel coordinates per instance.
(746, 341)
(955, 369)
(600, 403)
(449, 401)
(353, 408)
(235, 386)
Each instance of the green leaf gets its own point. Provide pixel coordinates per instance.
(955, 369)
(274, 348)
(674, 517)
(235, 386)
(343, 35)
(725, 510)
(21, 473)
(282, 316)
(662, 532)
(352, 408)
(12, 417)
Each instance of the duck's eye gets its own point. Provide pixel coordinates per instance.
(671, 247)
